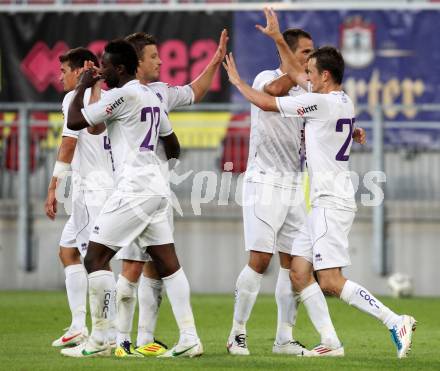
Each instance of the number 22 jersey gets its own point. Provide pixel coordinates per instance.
(134, 118)
(328, 135)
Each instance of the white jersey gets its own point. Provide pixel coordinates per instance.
(134, 118)
(328, 134)
(171, 97)
(92, 166)
(275, 142)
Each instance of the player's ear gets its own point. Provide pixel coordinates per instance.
(120, 69)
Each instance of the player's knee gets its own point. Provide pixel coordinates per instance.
(259, 262)
(92, 263)
(69, 256)
(88, 263)
(299, 280)
(132, 270)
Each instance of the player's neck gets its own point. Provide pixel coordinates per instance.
(124, 79)
(331, 87)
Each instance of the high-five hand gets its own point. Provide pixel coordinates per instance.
(231, 69)
(272, 28)
(221, 49)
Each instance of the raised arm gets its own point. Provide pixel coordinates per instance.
(75, 119)
(203, 82)
(294, 69)
(260, 99)
(95, 96)
(280, 86)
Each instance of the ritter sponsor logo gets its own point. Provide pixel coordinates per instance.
(303, 110)
(109, 109)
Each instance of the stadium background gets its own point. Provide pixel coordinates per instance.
(393, 60)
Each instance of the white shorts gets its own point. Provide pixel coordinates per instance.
(138, 253)
(86, 206)
(323, 240)
(271, 219)
(126, 219)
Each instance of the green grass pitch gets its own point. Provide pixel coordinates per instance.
(29, 321)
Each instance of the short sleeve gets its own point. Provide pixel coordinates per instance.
(65, 109)
(263, 78)
(173, 96)
(309, 105)
(179, 96)
(109, 107)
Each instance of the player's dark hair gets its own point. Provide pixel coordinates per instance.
(139, 40)
(76, 57)
(292, 36)
(330, 59)
(122, 52)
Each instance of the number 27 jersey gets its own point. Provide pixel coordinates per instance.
(134, 118)
(328, 135)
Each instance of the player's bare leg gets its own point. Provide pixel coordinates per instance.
(311, 295)
(76, 288)
(126, 294)
(287, 304)
(178, 292)
(334, 283)
(149, 297)
(102, 286)
(246, 292)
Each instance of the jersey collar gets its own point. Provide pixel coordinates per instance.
(131, 82)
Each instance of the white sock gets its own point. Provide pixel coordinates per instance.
(317, 309)
(178, 292)
(149, 297)
(287, 303)
(360, 298)
(113, 330)
(101, 287)
(126, 293)
(246, 291)
(76, 287)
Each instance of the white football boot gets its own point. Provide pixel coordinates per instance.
(184, 350)
(293, 347)
(322, 350)
(401, 334)
(88, 349)
(237, 345)
(71, 337)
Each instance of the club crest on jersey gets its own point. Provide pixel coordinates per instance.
(357, 42)
(109, 109)
(303, 110)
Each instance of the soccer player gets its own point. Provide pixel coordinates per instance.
(89, 159)
(137, 210)
(273, 176)
(273, 172)
(150, 284)
(322, 244)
